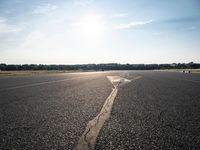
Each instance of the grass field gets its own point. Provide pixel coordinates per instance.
(32, 72)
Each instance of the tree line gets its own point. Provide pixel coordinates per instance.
(108, 66)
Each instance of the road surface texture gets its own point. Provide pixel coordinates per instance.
(159, 110)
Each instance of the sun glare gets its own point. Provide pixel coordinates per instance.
(92, 26)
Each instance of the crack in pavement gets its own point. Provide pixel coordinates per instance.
(88, 139)
(95, 125)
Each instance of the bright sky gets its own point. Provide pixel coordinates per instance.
(99, 31)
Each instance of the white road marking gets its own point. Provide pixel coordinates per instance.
(88, 139)
(42, 83)
(116, 80)
(136, 78)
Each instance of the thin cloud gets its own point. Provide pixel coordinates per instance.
(132, 24)
(120, 15)
(82, 2)
(5, 27)
(44, 8)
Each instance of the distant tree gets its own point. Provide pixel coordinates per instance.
(3, 67)
(110, 66)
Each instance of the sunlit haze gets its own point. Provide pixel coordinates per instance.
(99, 31)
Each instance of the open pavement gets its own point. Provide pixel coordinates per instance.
(100, 110)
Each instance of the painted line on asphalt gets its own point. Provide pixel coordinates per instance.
(41, 83)
(88, 139)
(136, 78)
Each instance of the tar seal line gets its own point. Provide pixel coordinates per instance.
(88, 139)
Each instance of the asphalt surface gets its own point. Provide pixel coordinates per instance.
(161, 110)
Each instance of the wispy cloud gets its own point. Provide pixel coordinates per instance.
(82, 2)
(132, 24)
(120, 15)
(44, 8)
(5, 27)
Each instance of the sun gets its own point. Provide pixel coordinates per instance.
(92, 26)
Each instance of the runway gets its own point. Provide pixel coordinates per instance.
(159, 110)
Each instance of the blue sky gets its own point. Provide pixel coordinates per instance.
(99, 31)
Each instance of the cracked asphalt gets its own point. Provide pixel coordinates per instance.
(161, 110)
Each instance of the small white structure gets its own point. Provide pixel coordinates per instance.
(186, 71)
